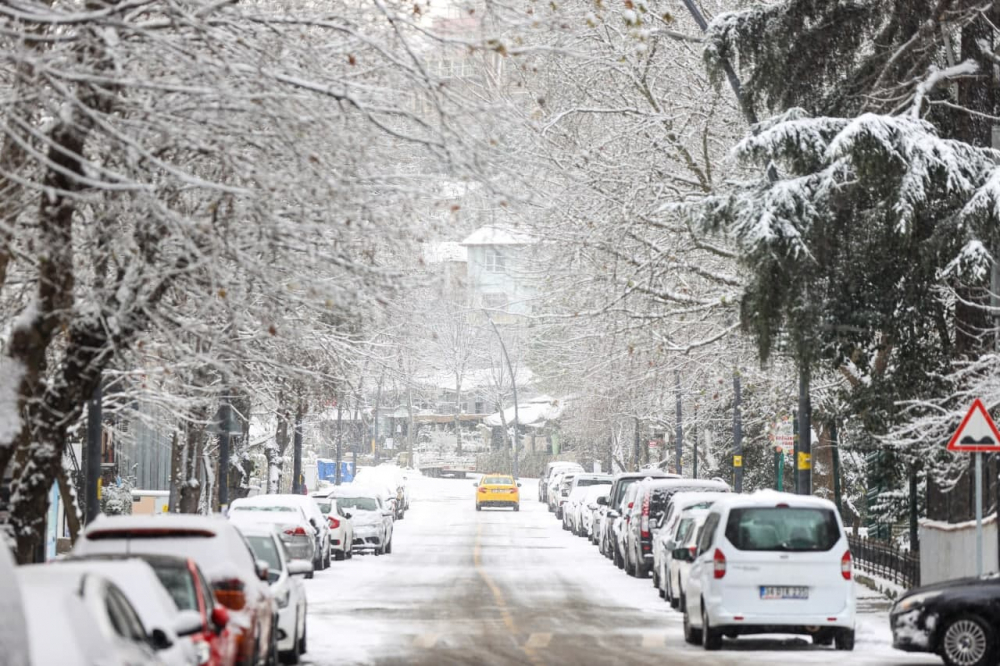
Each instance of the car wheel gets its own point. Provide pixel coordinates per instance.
(478, 508)
(302, 641)
(339, 555)
(844, 640)
(692, 636)
(631, 569)
(823, 638)
(388, 548)
(656, 579)
(641, 568)
(711, 639)
(329, 555)
(272, 650)
(517, 507)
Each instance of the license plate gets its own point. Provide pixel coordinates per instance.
(783, 592)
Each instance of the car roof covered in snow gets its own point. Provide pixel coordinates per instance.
(771, 498)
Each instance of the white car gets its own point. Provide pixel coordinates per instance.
(663, 542)
(339, 522)
(170, 629)
(76, 618)
(291, 523)
(771, 562)
(320, 531)
(16, 647)
(372, 521)
(677, 563)
(588, 507)
(283, 574)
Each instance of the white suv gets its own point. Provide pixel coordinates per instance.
(771, 562)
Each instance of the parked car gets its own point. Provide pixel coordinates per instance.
(339, 522)
(956, 619)
(76, 618)
(394, 480)
(620, 526)
(372, 521)
(555, 481)
(283, 574)
(550, 469)
(16, 647)
(171, 630)
(291, 523)
(317, 529)
(576, 503)
(650, 504)
(677, 565)
(610, 506)
(498, 490)
(217, 642)
(664, 538)
(771, 562)
(238, 580)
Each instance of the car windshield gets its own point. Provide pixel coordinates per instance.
(359, 503)
(782, 529)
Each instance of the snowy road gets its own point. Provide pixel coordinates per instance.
(498, 587)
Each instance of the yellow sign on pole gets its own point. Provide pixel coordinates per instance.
(737, 461)
(100, 488)
(805, 460)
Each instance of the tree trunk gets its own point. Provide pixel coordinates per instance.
(189, 493)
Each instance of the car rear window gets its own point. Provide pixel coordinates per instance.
(793, 529)
(590, 482)
(178, 582)
(498, 481)
(256, 507)
(359, 503)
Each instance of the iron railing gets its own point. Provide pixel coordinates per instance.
(885, 560)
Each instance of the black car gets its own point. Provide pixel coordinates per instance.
(957, 619)
(611, 505)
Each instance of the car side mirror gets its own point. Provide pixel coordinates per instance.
(262, 569)
(188, 623)
(159, 640)
(388, 513)
(518, 484)
(612, 514)
(602, 500)
(683, 554)
(220, 618)
(475, 484)
(631, 504)
(299, 567)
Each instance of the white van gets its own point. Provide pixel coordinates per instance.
(771, 562)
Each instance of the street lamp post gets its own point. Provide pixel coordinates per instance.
(513, 383)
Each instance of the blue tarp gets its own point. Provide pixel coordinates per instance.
(326, 470)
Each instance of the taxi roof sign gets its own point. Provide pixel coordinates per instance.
(978, 432)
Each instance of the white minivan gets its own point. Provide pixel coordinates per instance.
(771, 563)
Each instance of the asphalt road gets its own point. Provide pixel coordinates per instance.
(498, 587)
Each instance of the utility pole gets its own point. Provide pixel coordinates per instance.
(835, 439)
(225, 425)
(679, 444)
(513, 383)
(737, 435)
(803, 460)
(340, 440)
(297, 452)
(694, 439)
(378, 403)
(93, 462)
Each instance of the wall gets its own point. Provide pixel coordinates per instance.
(513, 281)
(948, 551)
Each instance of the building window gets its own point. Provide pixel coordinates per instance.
(494, 262)
(496, 301)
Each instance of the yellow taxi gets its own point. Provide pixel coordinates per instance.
(498, 490)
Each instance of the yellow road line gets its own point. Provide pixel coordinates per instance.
(650, 641)
(426, 640)
(538, 641)
(501, 602)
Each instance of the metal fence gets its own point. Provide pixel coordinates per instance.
(885, 560)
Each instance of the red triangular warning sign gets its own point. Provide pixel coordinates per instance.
(977, 432)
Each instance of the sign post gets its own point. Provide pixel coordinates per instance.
(977, 434)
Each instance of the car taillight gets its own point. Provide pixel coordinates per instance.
(298, 531)
(482, 490)
(334, 523)
(513, 491)
(719, 564)
(694, 551)
(644, 524)
(845, 565)
(229, 593)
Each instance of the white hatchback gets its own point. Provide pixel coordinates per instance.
(771, 562)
